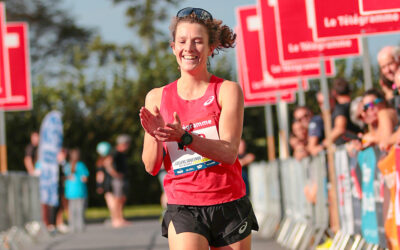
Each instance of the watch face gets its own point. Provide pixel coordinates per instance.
(186, 139)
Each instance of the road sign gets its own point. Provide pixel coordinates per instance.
(4, 66)
(368, 7)
(19, 95)
(341, 18)
(249, 99)
(264, 31)
(295, 40)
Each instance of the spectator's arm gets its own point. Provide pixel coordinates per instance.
(385, 127)
(247, 159)
(313, 146)
(108, 164)
(30, 168)
(339, 128)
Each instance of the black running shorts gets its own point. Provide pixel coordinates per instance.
(222, 224)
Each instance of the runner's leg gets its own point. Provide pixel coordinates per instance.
(244, 244)
(185, 241)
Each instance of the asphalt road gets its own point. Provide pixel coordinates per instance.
(141, 235)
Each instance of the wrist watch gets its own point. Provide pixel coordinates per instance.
(186, 139)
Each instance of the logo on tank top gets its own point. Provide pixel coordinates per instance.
(209, 101)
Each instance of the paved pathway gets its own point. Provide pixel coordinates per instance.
(141, 235)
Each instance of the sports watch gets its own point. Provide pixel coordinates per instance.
(186, 139)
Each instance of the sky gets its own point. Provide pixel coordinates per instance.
(109, 19)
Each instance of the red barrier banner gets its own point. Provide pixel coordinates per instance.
(295, 39)
(368, 7)
(341, 18)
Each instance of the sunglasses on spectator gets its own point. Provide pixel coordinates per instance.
(372, 104)
(200, 13)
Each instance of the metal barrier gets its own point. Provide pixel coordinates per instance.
(299, 189)
(21, 212)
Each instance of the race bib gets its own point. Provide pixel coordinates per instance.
(185, 160)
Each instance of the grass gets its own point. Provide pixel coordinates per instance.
(95, 213)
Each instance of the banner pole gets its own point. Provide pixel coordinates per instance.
(282, 114)
(270, 132)
(366, 63)
(302, 98)
(326, 113)
(3, 147)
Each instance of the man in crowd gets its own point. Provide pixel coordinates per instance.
(343, 130)
(389, 61)
(119, 181)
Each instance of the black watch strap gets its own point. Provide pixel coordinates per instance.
(186, 139)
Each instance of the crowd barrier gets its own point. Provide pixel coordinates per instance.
(290, 200)
(20, 216)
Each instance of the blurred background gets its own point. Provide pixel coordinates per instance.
(94, 60)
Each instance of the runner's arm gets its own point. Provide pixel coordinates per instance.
(152, 155)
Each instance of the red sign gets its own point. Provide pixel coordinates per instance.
(19, 96)
(250, 101)
(260, 98)
(4, 66)
(340, 18)
(264, 31)
(295, 40)
(368, 7)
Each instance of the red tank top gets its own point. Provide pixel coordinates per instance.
(191, 178)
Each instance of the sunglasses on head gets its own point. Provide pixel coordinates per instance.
(372, 104)
(200, 13)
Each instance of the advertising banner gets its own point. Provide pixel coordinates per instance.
(20, 92)
(369, 224)
(264, 30)
(295, 39)
(343, 185)
(4, 65)
(253, 95)
(387, 166)
(51, 137)
(368, 7)
(341, 18)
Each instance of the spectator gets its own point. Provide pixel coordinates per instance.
(343, 130)
(163, 198)
(303, 115)
(356, 109)
(62, 202)
(380, 118)
(76, 174)
(389, 61)
(104, 165)
(316, 131)
(298, 140)
(31, 153)
(245, 159)
(119, 181)
(396, 92)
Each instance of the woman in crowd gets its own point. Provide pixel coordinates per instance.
(76, 174)
(380, 119)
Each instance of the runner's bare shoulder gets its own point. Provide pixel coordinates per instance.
(153, 97)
